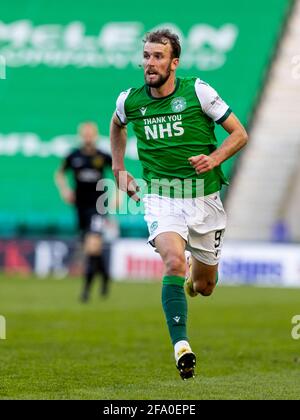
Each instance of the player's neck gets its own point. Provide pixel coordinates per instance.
(88, 150)
(166, 89)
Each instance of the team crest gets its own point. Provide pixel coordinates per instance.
(98, 162)
(153, 227)
(178, 104)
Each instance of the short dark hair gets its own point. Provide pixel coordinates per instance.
(163, 36)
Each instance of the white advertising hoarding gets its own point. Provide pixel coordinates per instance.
(241, 263)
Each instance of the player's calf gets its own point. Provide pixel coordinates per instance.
(205, 283)
(205, 289)
(202, 278)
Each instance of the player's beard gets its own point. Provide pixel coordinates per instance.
(161, 79)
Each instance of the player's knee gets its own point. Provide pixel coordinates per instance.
(93, 244)
(175, 265)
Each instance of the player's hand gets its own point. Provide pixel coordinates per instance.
(202, 163)
(127, 183)
(68, 196)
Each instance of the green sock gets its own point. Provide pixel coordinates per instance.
(175, 307)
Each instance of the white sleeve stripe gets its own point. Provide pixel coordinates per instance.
(117, 114)
(120, 111)
(210, 102)
(224, 117)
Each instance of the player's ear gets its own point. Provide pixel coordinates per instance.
(174, 63)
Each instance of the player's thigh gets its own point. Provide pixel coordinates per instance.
(206, 248)
(168, 243)
(206, 235)
(167, 230)
(163, 215)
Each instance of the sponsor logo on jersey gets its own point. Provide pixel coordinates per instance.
(216, 99)
(178, 104)
(162, 127)
(88, 175)
(143, 110)
(98, 162)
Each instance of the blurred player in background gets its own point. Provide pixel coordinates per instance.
(173, 119)
(87, 165)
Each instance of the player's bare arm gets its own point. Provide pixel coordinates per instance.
(118, 139)
(62, 184)
(236, 140)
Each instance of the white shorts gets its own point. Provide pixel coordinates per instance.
(199, 221)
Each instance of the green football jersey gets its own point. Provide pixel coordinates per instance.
(171, 129)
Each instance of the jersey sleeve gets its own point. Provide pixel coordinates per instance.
(120, 111)
(66, 163)
(211, 103)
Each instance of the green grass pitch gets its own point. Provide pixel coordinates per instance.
(118, 348)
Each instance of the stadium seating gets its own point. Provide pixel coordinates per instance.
(265, 189)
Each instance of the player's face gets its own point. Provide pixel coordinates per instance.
(158, 63)
(89, 135)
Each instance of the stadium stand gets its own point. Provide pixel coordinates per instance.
(265, 189)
